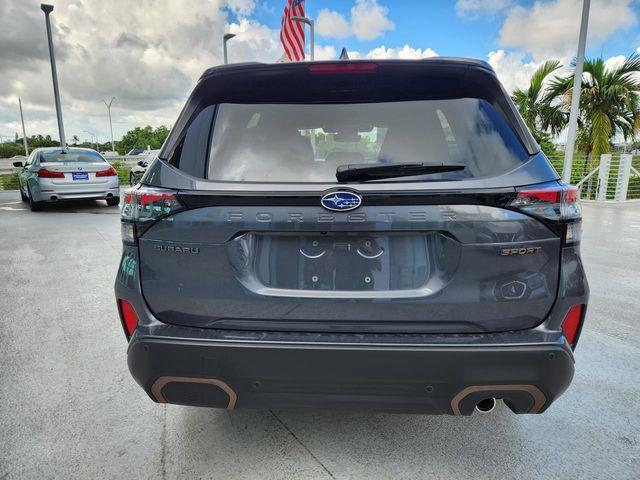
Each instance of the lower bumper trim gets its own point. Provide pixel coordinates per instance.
(422, 379)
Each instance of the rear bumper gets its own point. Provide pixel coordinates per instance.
(433, 379)
(47, 191)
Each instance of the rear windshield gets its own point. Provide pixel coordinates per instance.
(307, 143)
(71, 156)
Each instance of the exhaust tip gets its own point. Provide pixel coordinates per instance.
(487, 405)
(54, 198)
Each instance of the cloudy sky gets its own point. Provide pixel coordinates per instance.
(149, 53)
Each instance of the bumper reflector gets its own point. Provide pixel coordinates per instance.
(571, 324)
(129, 317)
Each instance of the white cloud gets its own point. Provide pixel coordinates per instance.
(149, 59)
(253, 42)
(512, 69)
(368, 20)
(242, 7)
(550, 29)
(406, 53)
(326, 52)
(332, 24)
(473, 8)
(383, 53)
(614, 62)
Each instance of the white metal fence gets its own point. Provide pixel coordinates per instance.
(613, 177)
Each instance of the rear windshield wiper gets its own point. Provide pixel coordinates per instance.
(363, 172)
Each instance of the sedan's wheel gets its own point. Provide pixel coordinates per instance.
(34, 206)
(113, 201)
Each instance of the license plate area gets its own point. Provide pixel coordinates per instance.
(334, 262)
(80, 176)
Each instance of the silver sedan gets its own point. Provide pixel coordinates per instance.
(52, 174)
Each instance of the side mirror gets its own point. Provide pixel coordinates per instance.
(18, 164)
(141, 163)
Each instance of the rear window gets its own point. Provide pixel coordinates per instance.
(308, 142)
(71, 156)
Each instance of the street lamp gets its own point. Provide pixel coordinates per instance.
(94, 137)
(225, 39)
(309, 22)
(47, 9)
(24, 133)
(575, 97)
(113, 145)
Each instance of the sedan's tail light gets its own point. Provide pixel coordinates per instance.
(45, 173)
(110, 172)
(556, 203)
(143, 206)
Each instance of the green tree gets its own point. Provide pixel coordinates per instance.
(141, 137)
(609, 102)
(541, 114)
(75, 140)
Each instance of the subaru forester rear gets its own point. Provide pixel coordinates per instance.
(370, 235)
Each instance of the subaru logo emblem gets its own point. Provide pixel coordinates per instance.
(341, 201)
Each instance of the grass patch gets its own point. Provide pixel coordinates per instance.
(9, 181)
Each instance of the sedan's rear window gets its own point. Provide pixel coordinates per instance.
(70, 156)
(307, 143)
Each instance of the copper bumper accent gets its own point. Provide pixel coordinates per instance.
(538, 397)
(159, 384)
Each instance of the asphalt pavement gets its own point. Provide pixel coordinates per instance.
(70, 409)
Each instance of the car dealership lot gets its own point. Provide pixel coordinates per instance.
(69, 407)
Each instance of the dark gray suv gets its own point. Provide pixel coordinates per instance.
(369, 235)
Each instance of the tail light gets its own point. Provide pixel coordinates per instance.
(143, 206)
(128, 317)
(45, 173)
(556, 204)
(110, 172)
(572, 323)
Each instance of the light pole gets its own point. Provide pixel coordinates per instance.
(225, 39)
(24, 134)
(309, 22)
(575, 96)
(113, 145)
(47, 9)
(94, 137)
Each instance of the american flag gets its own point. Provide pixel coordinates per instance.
(291, 32)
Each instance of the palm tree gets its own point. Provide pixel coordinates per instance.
(609, 102)
(75, 140)
(538, 110)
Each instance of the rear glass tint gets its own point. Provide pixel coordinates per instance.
(307, 143)
(192, 151)
(71, 156)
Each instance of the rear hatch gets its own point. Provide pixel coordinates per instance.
(242, 223)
